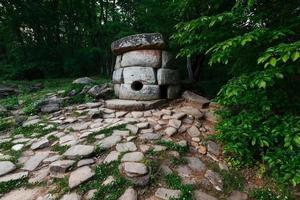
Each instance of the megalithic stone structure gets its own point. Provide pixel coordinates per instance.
(144, 69)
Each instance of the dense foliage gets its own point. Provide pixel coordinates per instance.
(259, 43)
(56, 38)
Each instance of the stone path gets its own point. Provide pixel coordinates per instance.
(147, 145)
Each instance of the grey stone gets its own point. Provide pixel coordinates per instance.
(143, 125)
(125, 147)
(130, 105)
(145, 75)
(98, 91)
(192, 111)
(112, 156)
(39, 176)
(50, 108)
(196, 164)
(61, 166)
(135, 169)
(90, 194)
(237, 195)
(167, 59)
(42, 143)
(132, 128)
(6, 167)
(17, 147)
(143, 58)
(139, 41)
(133, 157)
(109, 142)
(195, 98)
(79, 176)
(80, 151)
(129, 194)
(173, 91)
(71, 196)
(117, 89)
(22, 194)
(175, 123)
(215, 179)
(118, 76)
(213, 148)
(120, 133)
(199, 195)
(150, 136)
(167, 77)
(166, 194)
(193, 131)
(147, 92)
(83, 80)
(170, 131)
(34, 161)
(85, 162)
(12, 177)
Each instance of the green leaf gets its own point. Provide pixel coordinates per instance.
(262, 84)
(285, 57)
(273, 62)
(295, 56)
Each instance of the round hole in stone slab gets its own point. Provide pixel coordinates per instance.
(137, 85)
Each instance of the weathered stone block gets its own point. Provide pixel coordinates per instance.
(145, 75)
(117, 89)
(167, 77)
(167, 59)
(147, 92)
(139, 41)
(143, 58)
(173, 91)
(118, 76)
(118, 62)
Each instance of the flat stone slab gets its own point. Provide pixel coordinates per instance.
(199, 195)
(129, 194)
(22, 193)
(79, 151)
(167, 194)
(61, 166)
(133, 105)
(145, 75)
(12, 177)
(133, 157)
(79, 176)
(109, 142)
(138, 41)
(125, 147)
(135, 169)
(6, 167)
(34, 161)
(145, 93)
(143, 58)
(71, 196)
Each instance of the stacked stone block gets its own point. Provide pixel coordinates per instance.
(143, 69)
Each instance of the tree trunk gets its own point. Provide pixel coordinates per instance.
(189, 68)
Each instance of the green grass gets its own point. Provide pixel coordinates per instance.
(6, 187)
(174, 182)
(110, 192)
(268, 194)
(62, 185)
(173, 146)
(28, 131)
(60, 149)
(179, 160)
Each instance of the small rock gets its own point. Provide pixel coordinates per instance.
(215, 179)
(109, 142)
(192, 111)
(79, 176)
(143, 125)
(133, 157)
(125, 147)
(196, 164)
(167, 194)
(129, 194)
(199, 195)
(193, 131)
(108, 180)
(170, 131)
(237, 195)
(79, 151)
(38, 176)
(50, 108)
(61, 166)
(17, 147)
(132, 128)
(112, 156)
(71, 196)
(85, 162)
(135, 169)
(213, 148)
(90, 194)
(149, 136)
(40, 144)
(175, 123)
(12, 177)
(35, 161)
(158, 148)
(83, 80)
(195, 98)
(6, 167)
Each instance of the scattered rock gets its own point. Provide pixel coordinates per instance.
(17, 147)
(196, 164)
(125, 147)
(237, 195)
(170, 131)
(79, 176)
(133, 157)
(213, 148)
(167, 194)
(85, 162)
(50, 108)
(109, 142)
(135, 169)
(132, 128)
(42, 143)
(192, 111)
(21, 194)
(12, 177)
(39, 176)
(112, 156)
(79, 151)
(99, 91)
(195, 98)
(83, 81)
(199, 195)
(6, 167)
(215, 179)
(61, 166)
(194, 131)
(71, 196)
(34, 161)
(129, 194)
